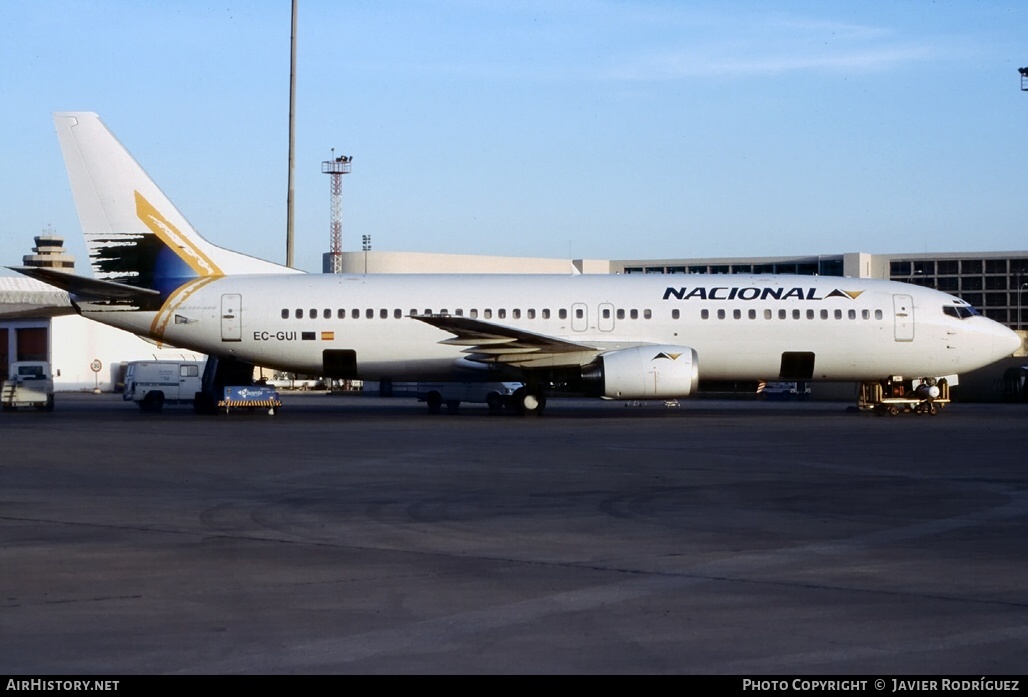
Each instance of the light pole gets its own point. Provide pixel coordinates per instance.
(366, 245)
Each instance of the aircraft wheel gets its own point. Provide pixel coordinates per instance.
(453, 406)
(434, 400)
(494, 401)
(531, 403)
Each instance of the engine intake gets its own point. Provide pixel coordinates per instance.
(644, 372)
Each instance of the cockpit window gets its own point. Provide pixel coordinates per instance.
(959, 311)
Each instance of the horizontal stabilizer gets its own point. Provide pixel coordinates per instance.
(87, 288)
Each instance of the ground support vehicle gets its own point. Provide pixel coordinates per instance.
(895, 396)
(30, 384)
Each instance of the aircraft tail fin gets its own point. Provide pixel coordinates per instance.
(134, 233)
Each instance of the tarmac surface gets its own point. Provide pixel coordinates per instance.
(361, 535)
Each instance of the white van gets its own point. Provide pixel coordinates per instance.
(496, 394)
(152, 384)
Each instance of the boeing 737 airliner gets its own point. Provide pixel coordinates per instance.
(627, 337)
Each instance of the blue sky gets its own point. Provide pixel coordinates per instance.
(599, 129)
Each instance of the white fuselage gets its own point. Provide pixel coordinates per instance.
(739, 326)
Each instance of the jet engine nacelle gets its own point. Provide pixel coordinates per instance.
(644, 372)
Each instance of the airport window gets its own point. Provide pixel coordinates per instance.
(285, 314)
(971, 266)
(782, 314)
(737, 314)
(647, 314)
(995, 283)
(995, 266)
(488, 314)
(675, 314)
(704, 314)
(899, 268)
(634, 314)
(971, 283)
(621, 314)
(950, 267)
(948, 284)
(562, 313)
(720, 314)
(531, 314)
(515, 313)
(972, 298)
(501, 314)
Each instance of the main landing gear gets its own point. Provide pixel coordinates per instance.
(894, 396)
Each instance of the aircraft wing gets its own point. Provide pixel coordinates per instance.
(494, 343)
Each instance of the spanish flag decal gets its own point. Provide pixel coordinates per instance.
(328, 336)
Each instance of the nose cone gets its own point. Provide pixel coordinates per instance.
(1007, 342)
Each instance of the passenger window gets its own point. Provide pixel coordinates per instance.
(413, 312)
(782, 314)
(853, 314)
(562, 313)
(383, 313)
(298, 313)
(838, 314)
(634, 314)
(428, 311)
(340, 314)
(647, 314)
(621, 314)
(546, 314)
(866, 314)
(501, 313)
(488, 314)
(369, 313)
(459, 312)
(753, 314)
(314, 313)
(606, 313)
(675, 314)
(531, 314)
(878, 314)
(768, 314)
(516, 313)
(795, 314)
(737, 314)
(810, 314)
(474, 313)
(824, 314)
(285, 314)
(720, 314)
(704, 314)
(397, 313)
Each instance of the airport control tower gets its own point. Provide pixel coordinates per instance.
(337, 167)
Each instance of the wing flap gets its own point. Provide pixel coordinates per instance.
(495, 343)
